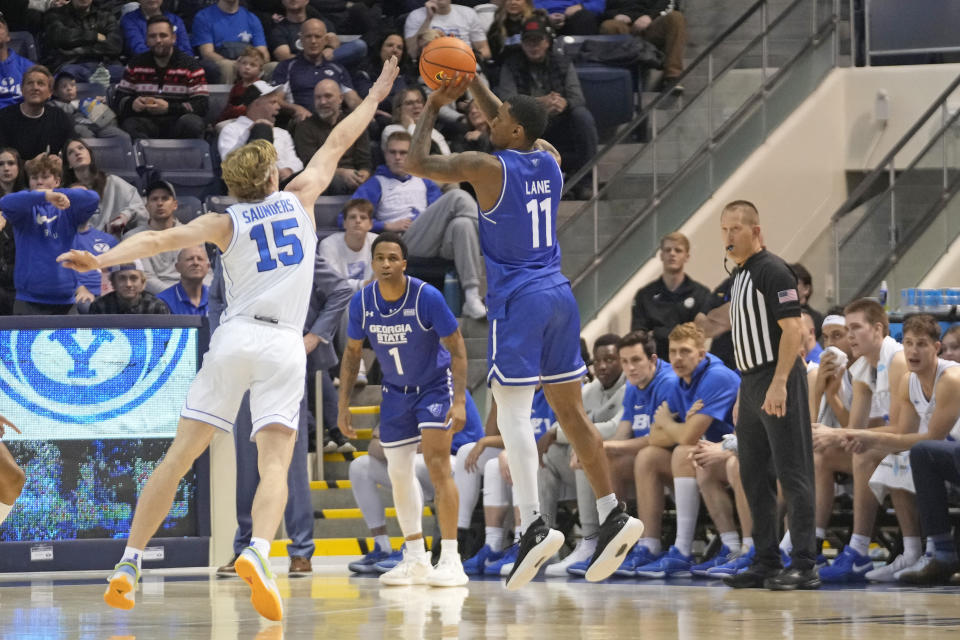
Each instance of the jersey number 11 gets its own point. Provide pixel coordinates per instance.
(536, 209)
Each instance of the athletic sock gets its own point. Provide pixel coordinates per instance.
(821, 533)
(470, 293)
(731, 539)
(912, 547)
(605, 505)
(687, 497)
(517, 532)
(652, 544)
(860, 544)
(786, 543)
(383, 542)
(4, 511)
(493, 538)
(133, 556)
(262, 545)
(448, 548)
(747, 544)
(528, 515)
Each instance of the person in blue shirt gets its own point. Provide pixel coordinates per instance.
(811, 349)
(45, 220)
(90, 283)
(189, 296)
(421, 352)
(300, 74)
(699, 405)
(12, 68)
(534, 319)
(133, 24)
(222, 31)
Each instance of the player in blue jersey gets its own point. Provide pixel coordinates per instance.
(535, 324)
(424, 361)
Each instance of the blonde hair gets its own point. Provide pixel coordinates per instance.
(688, 331)
(247, 170)
(256, 54)
(677, 237)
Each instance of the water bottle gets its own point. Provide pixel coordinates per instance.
(883, 296)
(451, 291)
(101, 76)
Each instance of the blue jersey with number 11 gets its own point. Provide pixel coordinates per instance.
(519, 234)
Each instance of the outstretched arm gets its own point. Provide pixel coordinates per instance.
(315, 178)
(489, 105)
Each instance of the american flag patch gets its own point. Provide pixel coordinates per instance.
(790, 295)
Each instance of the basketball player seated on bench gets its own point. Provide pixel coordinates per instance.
(702, 379)
(927, 409)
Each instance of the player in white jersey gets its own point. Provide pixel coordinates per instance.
(268, 242)
(928, 409)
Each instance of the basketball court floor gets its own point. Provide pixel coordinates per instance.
(195, 605)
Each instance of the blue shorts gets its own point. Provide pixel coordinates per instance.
(538, 339)
(404, 411)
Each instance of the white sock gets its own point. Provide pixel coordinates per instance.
(133, 556)
(687, 497)
(747, 544)
(931, 545)
(517, 532)
(911, 547)
(731, 539)
(262, 546)
(821, 533)
(652, 544)
(415, 546)
(471, 293)
(449, 548)
(493, 538)
(4, 511)
(605, 505)
(513, 419)
(383, 542)
(786, 544)
(860, 544)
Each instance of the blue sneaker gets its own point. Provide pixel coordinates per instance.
(821, 562)
(785, 559)
(579, 569)
(637, 557)
(733, 566)
(671, 565)
(476, 565)
(496, 568)
(723, 556)
(368, 562)
(390, 561)
(850, 566)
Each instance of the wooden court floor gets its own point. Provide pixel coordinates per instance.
(197, 606)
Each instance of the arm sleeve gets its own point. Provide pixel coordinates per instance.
(229, 138)
(640, 319)
(433, 191)
(355, 320)
(718, 393)
(371, 191)
(507, 88)
(306, 140)
(65, 33)
(286, 153)
(134, 36)
(202, 30)
(477, 34)
(83, 204)
(256, 28)
(18, 206)
(778, 284)
(434, 312)
(571, 89)
(133, 206)
(412, 24)
(337, 291)
(183, 36)
(595, 6)
(360, 153)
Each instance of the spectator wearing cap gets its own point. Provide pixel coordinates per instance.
(656, 21)
(222, 31)
(45, 221)
(300, 74)
(550, 77)
(12, 68)
(355, 165)
(79, 37)
(164, 91)
(189, 296)
(129, 294)
(33, 126)
(573, 17)
(262, 101)
(160, 269)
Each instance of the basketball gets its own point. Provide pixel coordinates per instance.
(443, 57)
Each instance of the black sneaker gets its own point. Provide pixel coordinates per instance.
(537, 545)
(792, 578)
(753, 577)
(617, 535)
(228, 570)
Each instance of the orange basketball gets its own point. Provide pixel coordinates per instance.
(444, 57)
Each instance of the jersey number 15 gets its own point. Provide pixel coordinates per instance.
(537, 208)
(282, 239)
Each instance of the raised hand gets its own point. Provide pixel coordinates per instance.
(79, 260)
(384, 85)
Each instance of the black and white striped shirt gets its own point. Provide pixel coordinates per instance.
(764, 290)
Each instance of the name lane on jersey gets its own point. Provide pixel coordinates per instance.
(536, 187)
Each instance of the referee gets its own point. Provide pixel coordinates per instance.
(773, 426)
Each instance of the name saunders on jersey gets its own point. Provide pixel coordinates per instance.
(262, 211)
(391, 333)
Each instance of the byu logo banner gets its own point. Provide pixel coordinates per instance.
(95, 383)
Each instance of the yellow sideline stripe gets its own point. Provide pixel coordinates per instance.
(365, 410)
(354, 513)
(338, 546)
(343, 457)
(323, 485)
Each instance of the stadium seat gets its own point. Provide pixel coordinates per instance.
(219, 96)
(188, 209)
(186, 164)
(23, 44)
(218, 204)
(609, 94)
(115, 155)
(90, 90)
(327, 209)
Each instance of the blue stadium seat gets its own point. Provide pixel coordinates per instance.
(23, 44)
(219, 96)
(609, 94)
(327, 208)
(115, 155)
(188, 209)
(186, 164)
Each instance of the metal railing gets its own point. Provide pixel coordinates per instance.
(736, 92)
(870, 240)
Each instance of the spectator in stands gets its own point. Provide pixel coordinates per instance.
(92, 120)
(12, 68)
(407, 107)
(164, 91)
(348, 252)
(12, 175)
(657, 22)
(133, 24)
(128, 295)
(477, 135)
(262, 102)
(285, 43)
(551, 78)
(301, 73)
(249, 69)
(222, 31)
(355, 166)
(699, 405)
(453, 20)
(45, 221)
(160, 270)
(433, 223)
(389, 45)
(573, 17)
(603, 402)
(12, 179)
(33, 126)
(121, 206)
(189, 296)
(671, 299)
(80, 37)
(91, 282)
(950, 342)
(504, 33)
(354, 17)
(810, 350)
(804, 291)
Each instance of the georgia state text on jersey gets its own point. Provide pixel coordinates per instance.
(405, 334)
(519, 234)
(268, 267)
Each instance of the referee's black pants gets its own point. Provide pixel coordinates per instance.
(771, 449)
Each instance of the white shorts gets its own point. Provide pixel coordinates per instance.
(244, 355)
(892, 473)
